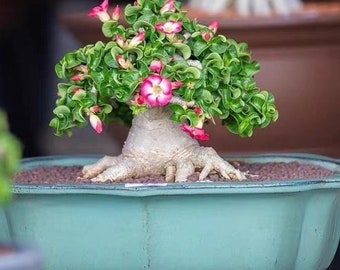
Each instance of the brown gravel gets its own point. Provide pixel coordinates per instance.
(256, 172)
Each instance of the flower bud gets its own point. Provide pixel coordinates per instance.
(213, 26)
(116, 13)
(156, 66)
(96, 123)
(138, 39)
(100, 11)
(169, 5)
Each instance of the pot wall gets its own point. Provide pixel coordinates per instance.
(272, 225)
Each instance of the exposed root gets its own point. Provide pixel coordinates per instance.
(177, 168)
(156, 145)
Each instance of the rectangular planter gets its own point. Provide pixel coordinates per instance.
(284, 225)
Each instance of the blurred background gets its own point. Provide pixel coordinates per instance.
(299, 54)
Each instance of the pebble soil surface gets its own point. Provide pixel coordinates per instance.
(255, 172)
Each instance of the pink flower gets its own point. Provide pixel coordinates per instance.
(156, 90)
(96, 123)
(206, 35)
(138, 99)
(195, 132)
(213, 26)
(169, 5)
(77, 77)
(116, 13)
(76, 90)
(100, 11)
(138, 39)
(198, 110)
(95, 109)
(169, 27)
(176, 84)
(156, 66)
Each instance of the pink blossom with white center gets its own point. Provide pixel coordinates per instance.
(156, 66)
(169, 5)
(138, 39)
(213, 26)
(156, 90)
(96, 123)
(195, 132)
(116, 13)
(100, 11)
(169, 27)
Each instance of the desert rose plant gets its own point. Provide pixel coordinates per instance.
(166, 76)
(10, 154)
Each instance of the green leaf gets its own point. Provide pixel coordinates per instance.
(97, 77)
(189, 26)
(60, 70)
(94, 59)
(78, 115)
(54, 123)
(71, 60)
(131, 10)
(219, 48)
(110, 61)
(183, 49)
(196, 73)
(116, 51)
(61, 110)
(109, 28)
(215, 60)
(123, 94)
(199, 47)
(188, 94)
(178, 112)
(79, 95)
(62, 89)
(207, 97)
(106, 108)
(138, 52)
(145, 22)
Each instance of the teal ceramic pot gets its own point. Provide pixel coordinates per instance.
(268, 225)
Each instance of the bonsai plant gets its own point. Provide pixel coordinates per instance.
(12, 256)
(167, 76)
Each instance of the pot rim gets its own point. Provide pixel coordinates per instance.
(193, 188)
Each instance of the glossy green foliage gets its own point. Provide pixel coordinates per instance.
(220, 82)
